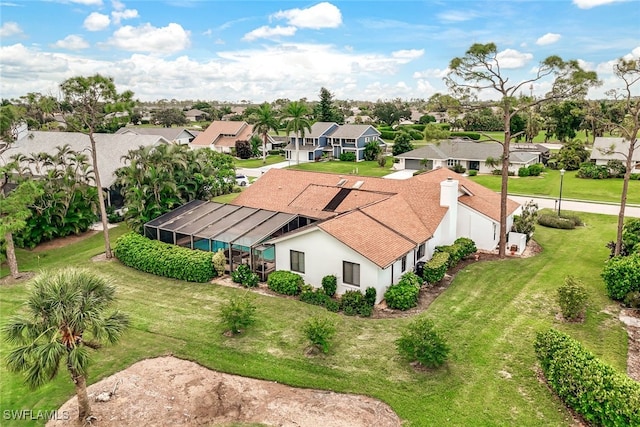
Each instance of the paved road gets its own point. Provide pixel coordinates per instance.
(579, 206)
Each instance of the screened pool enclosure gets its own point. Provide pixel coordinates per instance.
(239, 231)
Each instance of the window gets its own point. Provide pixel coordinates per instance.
(404, 263)
(421, 251)
(297, 261)
(351, 273)
(453, 162)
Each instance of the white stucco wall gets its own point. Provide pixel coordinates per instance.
(482, 230)
(324, 255)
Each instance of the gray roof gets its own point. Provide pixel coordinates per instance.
(170, 134)
(303, 147)
(619, 146)
(465, 150)
(110, 147)
(352, 131)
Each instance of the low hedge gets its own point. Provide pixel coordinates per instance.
(471, 135)
(590, 387)
(554, 221)
(621, 275)
(285, 282)
(404, 294)
(163, 259)
(436, 267)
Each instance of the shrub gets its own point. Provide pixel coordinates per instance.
(163, 259)
(365, 310)
(456, 253)
(536, 169)
(572, 299)
(422, 343)
(436, 267)
(245, 276)
(314, 296)
(330, 284)
(473, 172)
(554, 221)
(467, 246)
(388, 134)
(458, 168)
(285, 282)
(219, 261)
(590, 387)
(351, 301)
(526, 222)
(471, 135)
(575, 219)
(590, 170)
(370, 296)
(319, 331)
(237, 313)
(404, 294)
(348, 156)
(632, 299)
(332, 305)
(621, 275)
(523, 171)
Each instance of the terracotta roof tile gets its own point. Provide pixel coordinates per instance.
(223, 134)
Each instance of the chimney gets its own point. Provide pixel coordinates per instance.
(449, 199)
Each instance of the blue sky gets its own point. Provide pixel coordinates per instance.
(264, 50)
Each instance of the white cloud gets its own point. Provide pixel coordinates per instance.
(511, 58)
(269, 32)
(435, 73)
(588, 4)
(96, 21)
(88, 2)
(321, 15)
(117, 5)
(147, 38)
(635, 54)
(457, 15)
(119, 15)
(10, 28)
(72, 42)
(548, 38)
(407, 55)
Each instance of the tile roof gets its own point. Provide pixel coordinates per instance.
(110, 147)
(222, 133)
(382, 219)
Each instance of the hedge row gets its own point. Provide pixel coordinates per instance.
(461, 248)
(163, 259)
(471, 135)
(592, 388)
(404, 294)
(562, 222)
(436, 267)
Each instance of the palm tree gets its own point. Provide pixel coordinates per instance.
(65, 314)
(296, 114)
(266, 120)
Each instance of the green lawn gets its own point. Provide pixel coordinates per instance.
(257, 163)
(489, 316)
(548, 185)
(366, 168)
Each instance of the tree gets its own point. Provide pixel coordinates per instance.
(401, 143)
(421, 342)
(243, 149)
(525, 223)
(426, 118)
(372, 150)
(265, 120)
(66, 313)
(14, 212)
(296, 116)
(10, 118)
(435, 132)
(168, 117)
(480, 70)
(92, 98)
(391, 112)
(325, 111)
(564, 119)
(628, 71)
(570, 156)
(238, 313)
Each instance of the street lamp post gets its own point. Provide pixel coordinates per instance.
(562, 171)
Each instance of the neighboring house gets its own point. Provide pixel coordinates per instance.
(367, 231)
(468, 154)
(222, 135)
(620, 148)
(176, 135)
(332, 139)
(195, 115)
(111, 148)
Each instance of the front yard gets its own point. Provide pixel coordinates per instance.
(489, 315)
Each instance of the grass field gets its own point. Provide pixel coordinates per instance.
(489, 316)
(366, 168)
(257, 163)
(548, 185)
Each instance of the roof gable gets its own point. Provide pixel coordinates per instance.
(223, 133)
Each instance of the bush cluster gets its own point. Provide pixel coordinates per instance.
(499, 172)
(461, 248)
(285, 282)
(319, 331)
(314, 296)
(621, 275)
(330, 284)
(436, 267)
(421, 342)
(404, 294)
(555, 221)
(572, 299)
(473, 172)
(471, 135)
(245, 276)
(237, 313)
(353, 302)
(458, 168)
(531, 170)
(348, 156)
(388, 134)
(590, 387)
(163, 259)
(592, 171)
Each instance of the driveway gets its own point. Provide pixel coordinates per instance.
(256, 172)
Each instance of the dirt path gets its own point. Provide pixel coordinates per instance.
(167, 391)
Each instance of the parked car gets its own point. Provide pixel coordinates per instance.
(242, 180)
